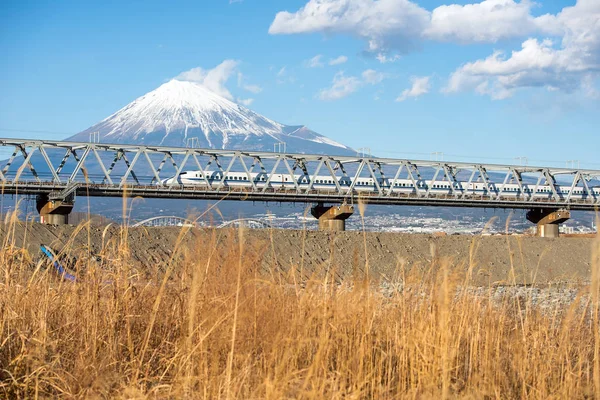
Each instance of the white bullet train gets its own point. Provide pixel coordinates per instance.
(323, 183)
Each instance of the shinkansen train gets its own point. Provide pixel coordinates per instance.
(286, 181)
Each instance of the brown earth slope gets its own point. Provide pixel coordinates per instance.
(533, 260)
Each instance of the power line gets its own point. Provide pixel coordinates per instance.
(36, 131)
(472, 157)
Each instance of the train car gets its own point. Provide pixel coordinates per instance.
(220, 179)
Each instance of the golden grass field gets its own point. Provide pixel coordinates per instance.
(214, 324)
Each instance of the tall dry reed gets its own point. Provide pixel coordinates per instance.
(212, 323)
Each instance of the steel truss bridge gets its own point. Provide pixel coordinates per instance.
(60, 169)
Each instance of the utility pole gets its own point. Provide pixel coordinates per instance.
(437, 156)
(572, 163)
(192, 143)
(280, 147)
(95, 137)
(363, 152)
(522, 160)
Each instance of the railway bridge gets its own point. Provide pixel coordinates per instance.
(59, 171)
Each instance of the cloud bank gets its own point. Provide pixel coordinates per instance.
(558, 51)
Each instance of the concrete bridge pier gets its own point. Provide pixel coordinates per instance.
(54, 211)
(548, 221)
(332, 218)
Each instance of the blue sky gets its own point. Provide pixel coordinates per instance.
(493, 80)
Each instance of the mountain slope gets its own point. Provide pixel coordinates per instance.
(178, 111)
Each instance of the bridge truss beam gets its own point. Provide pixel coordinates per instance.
(95, 169)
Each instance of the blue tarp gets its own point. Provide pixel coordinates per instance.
(56, 264)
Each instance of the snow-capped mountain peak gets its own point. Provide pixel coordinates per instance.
(179, 110)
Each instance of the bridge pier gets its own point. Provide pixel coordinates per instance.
(548, 221)
(332, 218)
(54, 211)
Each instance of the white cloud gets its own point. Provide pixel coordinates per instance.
(341, 87)
(216, 78)
(373, 77)
(284, 76)
(338, 60)
(558, 52)
(536, 64)
(385, 58)
(590, 87)
(252, 88)
(420, 86)
(248, 87)
(486, 22)
(541, 63)
(382, 23)
(213, 79)
(401, 25)
(246, 102)
(314, 62)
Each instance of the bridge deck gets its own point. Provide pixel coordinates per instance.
(286, 195)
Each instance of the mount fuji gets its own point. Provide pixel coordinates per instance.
(182, 110)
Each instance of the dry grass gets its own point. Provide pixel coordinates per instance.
(213, 325)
